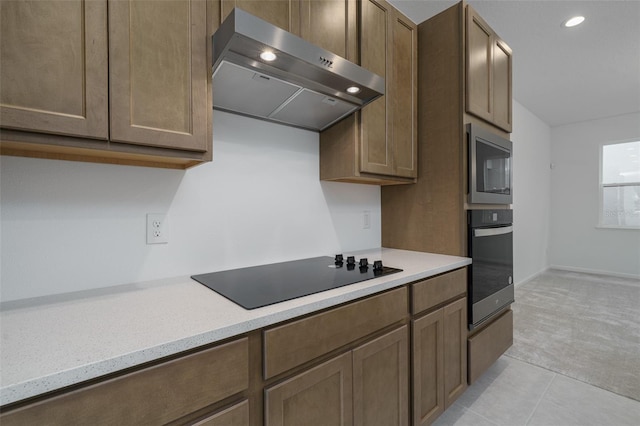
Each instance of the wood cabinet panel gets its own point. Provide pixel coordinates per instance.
(404, 97)
(488, 73)
(155, 395)
(320, 396)
(237, 415)
(380, 381)
(281, 13)
(295, 343)
(53, 67)
(502, 93)
(479, 97)
(487, 345)
(439, 348)
(428, 368)
(330, 24)
(375, 36)
(429, 216)
(455, 350)
(434, 291)
(158, 73)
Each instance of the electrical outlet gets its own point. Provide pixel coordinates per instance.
(157, 231)
(366, 219)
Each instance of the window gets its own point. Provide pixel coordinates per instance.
(620, 185)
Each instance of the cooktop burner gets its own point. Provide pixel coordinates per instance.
(264, 285)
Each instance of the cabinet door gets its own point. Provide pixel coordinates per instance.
(282, 13)
(479, 51)
(53, 67)
(320, 396)
(380, 381)
(428, 370)
(158, 73)
(455, 350)
(375, 38)
(330, 24)
(489, 70)
(502, 71)
(404, 92)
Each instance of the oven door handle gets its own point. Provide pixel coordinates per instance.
(488, 232)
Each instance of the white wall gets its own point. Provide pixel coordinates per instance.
(531, 198)
(69, 226)
(576, 243)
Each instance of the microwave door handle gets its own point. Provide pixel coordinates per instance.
(489, 232)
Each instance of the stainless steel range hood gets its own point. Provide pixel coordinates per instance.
(304, 86)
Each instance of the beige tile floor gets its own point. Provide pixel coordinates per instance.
(515, 393)
(531, 384)
(583, 326)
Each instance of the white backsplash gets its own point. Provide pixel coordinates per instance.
(68, 226)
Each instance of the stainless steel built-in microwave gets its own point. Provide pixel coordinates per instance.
(490, 167)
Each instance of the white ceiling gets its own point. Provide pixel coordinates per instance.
(563, 75)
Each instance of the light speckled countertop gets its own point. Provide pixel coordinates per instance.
(52, 342)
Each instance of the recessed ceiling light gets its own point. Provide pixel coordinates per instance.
(572, 22)
(353, 89)
(268, 56)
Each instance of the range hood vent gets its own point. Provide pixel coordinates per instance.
(303, 86)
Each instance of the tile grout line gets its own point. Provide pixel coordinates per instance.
(570, 377)
(541, 397)
(480, 415)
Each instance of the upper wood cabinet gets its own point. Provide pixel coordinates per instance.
(430, 216)
(330, 24)
(77, 74)
(379, 144)
(158, 73)
(488, 73)
(281, 13)
(53, 67)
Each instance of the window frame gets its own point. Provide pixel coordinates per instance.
(602, 186)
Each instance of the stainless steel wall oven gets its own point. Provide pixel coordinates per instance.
(491, 272)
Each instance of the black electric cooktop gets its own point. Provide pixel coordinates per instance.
(264, 285)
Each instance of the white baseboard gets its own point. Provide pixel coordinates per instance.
(594, 271)
(530, 277)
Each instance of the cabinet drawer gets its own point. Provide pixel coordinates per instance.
(434, 291)
(237, 415)
(293, 344)
(155, 395)
(486, 346)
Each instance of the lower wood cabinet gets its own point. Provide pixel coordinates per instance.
(155, 395)
(381, 381)
(365, 386)
(488, 343)
(439, 345)
(237, 415)
(322, 396)
(291, 345)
